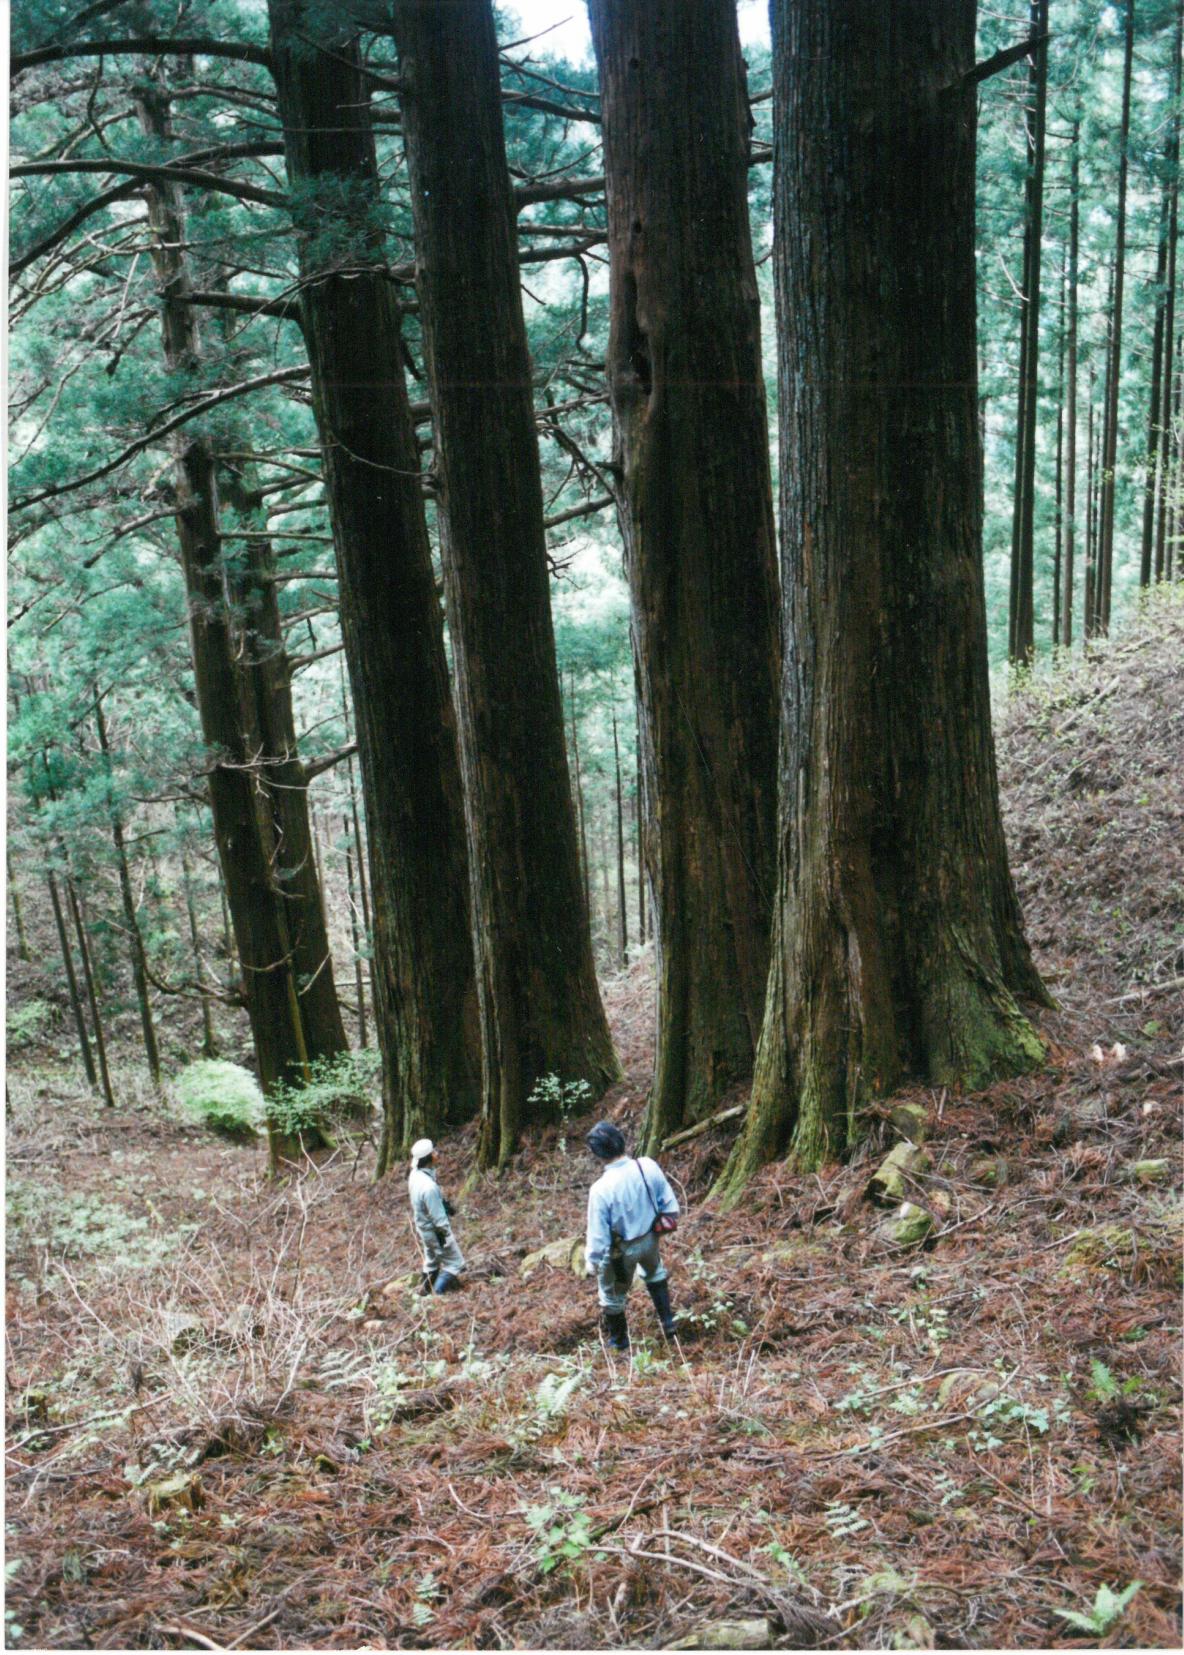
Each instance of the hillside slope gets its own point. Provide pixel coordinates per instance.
(232, 1424)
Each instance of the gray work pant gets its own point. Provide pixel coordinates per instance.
(615, 1276)
(441, 1252)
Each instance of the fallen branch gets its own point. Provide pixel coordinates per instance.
(704, 1126)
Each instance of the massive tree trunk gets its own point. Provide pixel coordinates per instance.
(540, 1004)
(1022, 631)
(261, 934)
(390, 614)
(898, 947)
(265, 690)
(696, 510)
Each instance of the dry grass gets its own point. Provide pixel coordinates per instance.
(862, 1444)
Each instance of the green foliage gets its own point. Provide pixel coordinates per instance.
(78, 1225)
(222, 1096)
(843, 1521)
(12, 1629)
(562, 1530)
(338, 1089)
(29, 1024)
(1108, 1608)
(562, 1097)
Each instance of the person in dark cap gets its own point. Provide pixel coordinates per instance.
(629, 1206)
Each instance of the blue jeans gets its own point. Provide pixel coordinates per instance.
(615, 1276)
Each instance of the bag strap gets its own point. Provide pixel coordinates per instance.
(648, 1190)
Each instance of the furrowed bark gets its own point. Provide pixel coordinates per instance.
(539, 1000)
(265, 695)
(423, 974)
(260, 931)
(898, 947)
(695, 504)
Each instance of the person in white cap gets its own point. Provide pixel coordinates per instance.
(443, 1261)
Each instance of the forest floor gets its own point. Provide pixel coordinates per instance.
(224, 1433)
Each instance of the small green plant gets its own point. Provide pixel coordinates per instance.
(1108, 1607)
(647, 1361)
(562, 1530)
(29, 1024)
(222, 1096)
(337, 1091)
(1104, 1387)
(427, 1593)
(786, 1560)
(842, 1520)
(1085, 1476)
(568, 1097)
(12, 1630)
(550, 1402)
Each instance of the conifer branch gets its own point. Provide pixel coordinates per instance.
(144, 46)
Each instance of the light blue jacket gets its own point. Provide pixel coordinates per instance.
(619, 1204)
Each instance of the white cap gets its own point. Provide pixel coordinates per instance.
(421, 1150)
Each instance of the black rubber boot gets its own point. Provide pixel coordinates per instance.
(616, 1328)
(445, 1283)
(659, 1292)
(425, 1285)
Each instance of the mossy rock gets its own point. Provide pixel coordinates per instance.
(1150, 1172)
(911, 1121)
(914, 1633)
(560, 1255)
(894, 1179)
(1109, 1247)
(180, 1492)
(732, 1634)
(989, 1172)
(908, 1226)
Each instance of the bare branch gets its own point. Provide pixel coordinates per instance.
(144, 46)
(1004, 59)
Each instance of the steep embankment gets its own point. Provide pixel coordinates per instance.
(232, 1433)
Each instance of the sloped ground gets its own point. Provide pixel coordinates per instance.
(860, 1446)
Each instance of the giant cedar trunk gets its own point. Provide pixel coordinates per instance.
(260, 931)
(897, 941)
(425, 1008)
(265, 689)
(540, 1004)
(695, 501)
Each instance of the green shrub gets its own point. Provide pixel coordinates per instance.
(337, 1090)
(222, 1096)
(26, 1025)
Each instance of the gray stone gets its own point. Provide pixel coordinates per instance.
(737, 1634)
(894, 1180)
